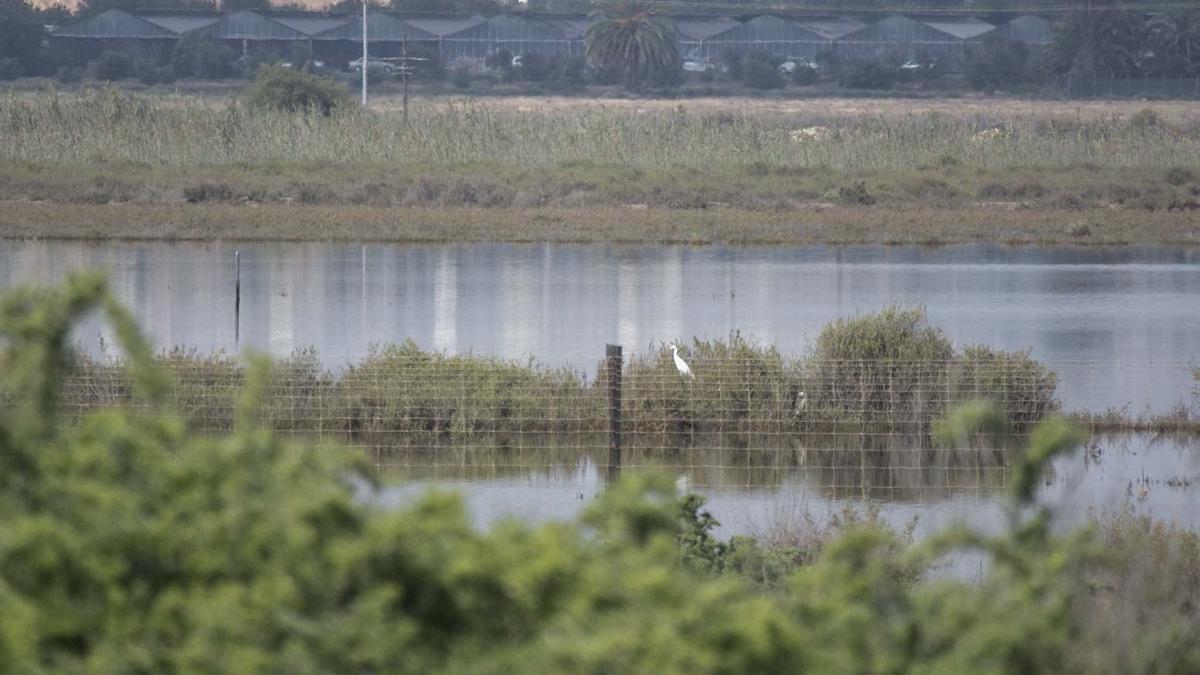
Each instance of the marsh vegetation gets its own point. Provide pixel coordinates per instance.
(762, 168)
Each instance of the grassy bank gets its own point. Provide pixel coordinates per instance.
(111, 164)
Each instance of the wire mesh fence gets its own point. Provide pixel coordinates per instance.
(853, 426)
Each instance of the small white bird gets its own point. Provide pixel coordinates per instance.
(683, 484)
(801, 403)
(680, 364)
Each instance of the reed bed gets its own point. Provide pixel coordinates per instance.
(105, 126)
(744, 397)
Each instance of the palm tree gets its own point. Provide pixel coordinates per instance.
(628, 38)
(1174, 44)
(1100, 44)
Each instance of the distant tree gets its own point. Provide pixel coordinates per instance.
(997, 62)
(1173, 44)
(21, 31)
(632, 40)
(1108, 43)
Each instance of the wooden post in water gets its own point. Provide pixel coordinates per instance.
(612, 366)
(237, 298)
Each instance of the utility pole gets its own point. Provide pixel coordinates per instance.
(404, 72)
(406, 68)
(363, 68)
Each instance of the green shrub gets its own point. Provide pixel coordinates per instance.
(10, 69)
(208, 192)
(461, 78)
(738, 387)
(1020, 386)
(1179, 176)
(887, 368)
(68, 75)
(111, 66)
(856, 194)
(761, 71)
(803, 76)
(534, 68)
(402, 395)
(291, 90)
(149, 74)
(499, 60)
(875, 73)
(196, 56)
(1146, 120)
(997, 62)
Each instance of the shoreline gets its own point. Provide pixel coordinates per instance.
(633, 224)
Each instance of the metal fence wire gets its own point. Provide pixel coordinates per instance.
(858, 426)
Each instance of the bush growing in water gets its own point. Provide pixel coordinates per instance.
(1019, 385)
(885, 372)
(285, 89)
(893, 369)
(887, 362)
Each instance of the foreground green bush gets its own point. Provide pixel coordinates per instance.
(130, 545)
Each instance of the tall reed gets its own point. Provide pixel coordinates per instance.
(112, 126)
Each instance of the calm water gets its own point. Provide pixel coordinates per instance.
(1120, 326)
(1158, 476)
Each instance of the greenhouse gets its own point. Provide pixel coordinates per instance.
(386, 35)
(1032, 30)
(771, 34)
(116, 29)
(507, 33)
(940, 39)
(692, 32)
(933, 40)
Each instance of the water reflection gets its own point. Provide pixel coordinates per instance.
(1120, 325)
(749, 491)
(879, 468)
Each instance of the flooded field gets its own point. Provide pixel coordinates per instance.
(1119, 326)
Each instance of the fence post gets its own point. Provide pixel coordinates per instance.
(237, 298)
(612, 365)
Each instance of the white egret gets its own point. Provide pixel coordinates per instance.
(801, 403)
(683, 485)
(680, 364)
